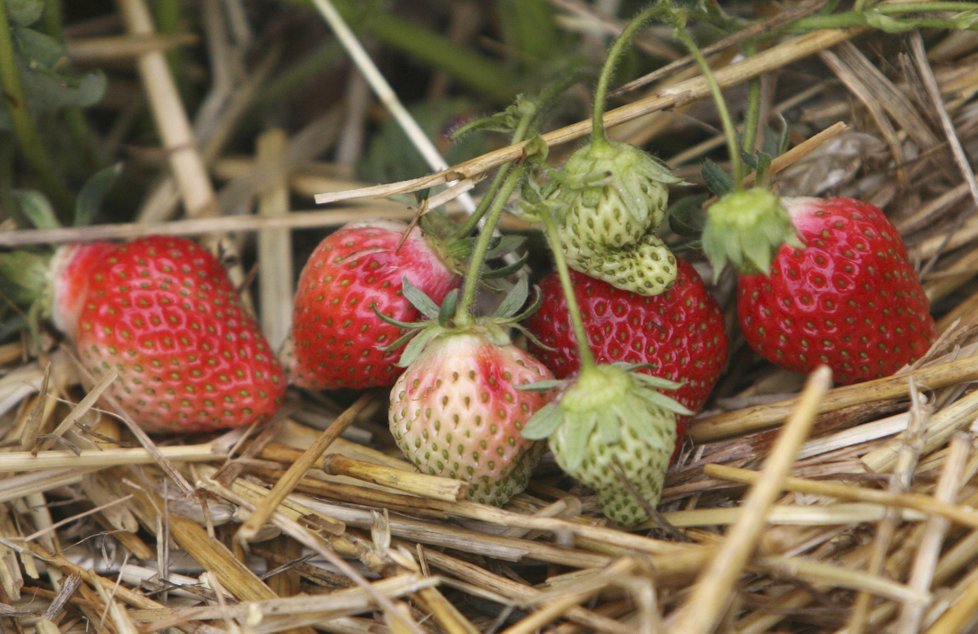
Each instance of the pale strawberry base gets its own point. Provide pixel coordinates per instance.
(71, 267)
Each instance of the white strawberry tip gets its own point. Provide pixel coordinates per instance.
(67, 290)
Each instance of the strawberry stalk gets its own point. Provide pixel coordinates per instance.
(733, 148)
(598, 136)
(584, 353)
(528, 111)
(509, 179)
(744, 227)
(463, 313)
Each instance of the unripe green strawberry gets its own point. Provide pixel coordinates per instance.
(611, 195)
(609, 426)
(646, 267)
(457, 410)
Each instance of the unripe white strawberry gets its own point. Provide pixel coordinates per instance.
(646, 267)
(612, 194)
(610, 426)
(457, 410)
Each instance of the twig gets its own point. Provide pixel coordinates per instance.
(171, 118)
(306, 461)
(678, 94)
(912, 613)
(384, 91)
(704, 606)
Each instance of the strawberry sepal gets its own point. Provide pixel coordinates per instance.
(747, 228)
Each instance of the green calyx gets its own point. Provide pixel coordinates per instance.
(24, 277)
(746, 228)
(612, 193)
(602, 400)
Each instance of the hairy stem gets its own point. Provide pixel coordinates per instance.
(733, 148)
(463, 314)
(563, 272)
(608, 70)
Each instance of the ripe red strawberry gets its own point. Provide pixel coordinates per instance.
(849, 298)
(162, 312)
(457, 412)
(338, 339)
(679, 333)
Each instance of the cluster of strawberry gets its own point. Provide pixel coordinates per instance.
(628, 344)
(161, 313)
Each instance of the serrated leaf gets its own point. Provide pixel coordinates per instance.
(717, 181)
(543, 423)
(448, 307)
(514, 299)
(687, 216)
(541, 386)
(425, 305)
(505, 244)
(417, 345)
(24, 12)
(36, 207)
(505, 271)
(573, 437)
(93, 192)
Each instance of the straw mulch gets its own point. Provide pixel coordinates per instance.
(794, 507)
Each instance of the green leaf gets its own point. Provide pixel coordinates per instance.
(505, 244)
(419, 299)
(37, 208)
(417, 345)
(541, 386)
(609, 427)
(25, 12)
(514, 299)
(717, 181)
(507, 270)
(543, 423)
(448, 306)
(573, 437)
(687, 216)
(92, 194)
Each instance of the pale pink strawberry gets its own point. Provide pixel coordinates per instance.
(457, 410)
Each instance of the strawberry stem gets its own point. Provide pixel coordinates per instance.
(528, 110)
(573, 308)
(608, 70)
(678, 19)
(508, 179)
(463, 314)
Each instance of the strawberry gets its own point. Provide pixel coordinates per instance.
(612, 429)
(612, 195)
(162, 313)
(678, 334)
(457, 410)
(647, 267)
(338, 339)
(849, 298)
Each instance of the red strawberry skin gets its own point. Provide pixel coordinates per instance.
(338, 340)
(850, 299)
(162, 312)
(680, 332)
